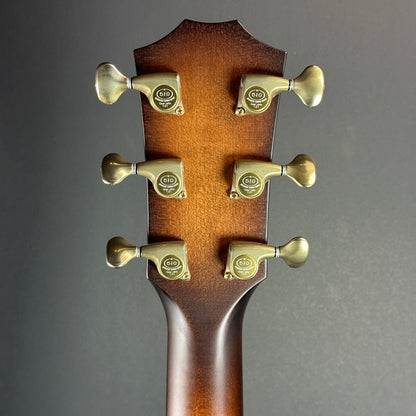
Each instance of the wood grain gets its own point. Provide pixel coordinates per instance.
(205, 314)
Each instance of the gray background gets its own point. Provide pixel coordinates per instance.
(336, 337)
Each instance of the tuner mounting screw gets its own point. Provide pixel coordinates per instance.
(240, 111)
(179, 111)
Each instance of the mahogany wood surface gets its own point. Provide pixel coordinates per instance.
(205, 314)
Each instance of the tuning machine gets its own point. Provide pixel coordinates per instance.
(250, 176)
(162, 89)
(257, 90)
(166, 175)
(169, 257)
(244, 257)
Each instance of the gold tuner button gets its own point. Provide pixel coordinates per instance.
(295, 252)
(169, 257)
(257, 91)
(119, 252)
(244, 257)
(114, 169)
(162, 89)
(166, 175)
(250, 176)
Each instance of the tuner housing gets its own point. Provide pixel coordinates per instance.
(244, 258)
(170, 258)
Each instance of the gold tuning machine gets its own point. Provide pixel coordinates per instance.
(169, 257)
(166, 175)
(244, 257)
(162, 89)
(250, 176)
(257, 90)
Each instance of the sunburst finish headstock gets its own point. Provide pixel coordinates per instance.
(207, 249)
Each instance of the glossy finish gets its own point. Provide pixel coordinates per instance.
(258, 90)
(205, 313)
(161, 89)
(250, 176)
(166, 175)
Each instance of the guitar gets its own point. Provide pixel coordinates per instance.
(209, 101)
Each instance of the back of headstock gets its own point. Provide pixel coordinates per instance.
(209, 117)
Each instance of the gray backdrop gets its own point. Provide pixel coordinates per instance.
(336, 337)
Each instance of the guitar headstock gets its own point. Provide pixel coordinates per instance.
(198, 82)
(209, 106)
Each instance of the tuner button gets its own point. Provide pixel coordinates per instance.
(120, 252)
(309, 86)
(295, 252)
(110, 83)
(301, 170)
(115, 168)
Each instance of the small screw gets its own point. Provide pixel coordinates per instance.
(228, 276)
(182, 195)
(234, 195)
(186, 276)
(240, 111)
(179, 111)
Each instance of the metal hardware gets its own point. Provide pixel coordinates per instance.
(162, 89)
(244, 257)
(166, 175)
(250, 176)
(169, 257)
(295, 252)
(257, 91)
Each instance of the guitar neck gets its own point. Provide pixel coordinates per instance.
(204, 361)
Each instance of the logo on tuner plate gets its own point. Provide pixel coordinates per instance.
(168, 184)
(172, 267)
(250, 185)
(165, 97)
(244, 266)
(256, 98)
